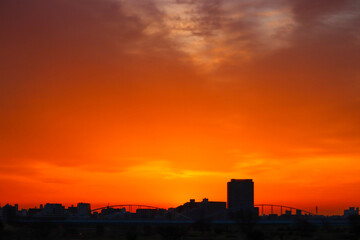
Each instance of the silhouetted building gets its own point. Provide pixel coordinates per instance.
(204, 209)
(9, 212)
(288, 212)
(113, 212)
(22, 213)
(351, 211)
(240, 195)
(72, 211)
(55, 210)
(83, 209)
(34, 212)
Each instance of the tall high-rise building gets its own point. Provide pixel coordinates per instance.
(240, 194)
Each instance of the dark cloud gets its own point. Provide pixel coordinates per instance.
(309, 13)
(305, 91)
(79, 73)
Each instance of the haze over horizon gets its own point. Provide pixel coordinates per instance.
(160, 101)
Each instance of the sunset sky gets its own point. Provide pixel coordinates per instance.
(159, 101)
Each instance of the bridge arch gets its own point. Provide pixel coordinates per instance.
(134, 207)
(128, 207)
(281, 207)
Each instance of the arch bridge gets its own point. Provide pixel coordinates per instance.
(271, 207)
(281, 207)
(128, 207)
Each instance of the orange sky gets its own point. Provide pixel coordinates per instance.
(159, 101)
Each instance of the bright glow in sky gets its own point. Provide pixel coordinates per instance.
(156, 102)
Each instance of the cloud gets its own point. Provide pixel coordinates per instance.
(94, 69)
(105, 87)
(164, 169)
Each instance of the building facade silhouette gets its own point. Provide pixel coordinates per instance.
(240, 195)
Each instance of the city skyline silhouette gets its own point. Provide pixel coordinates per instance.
(240, 200)
(238, 217)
